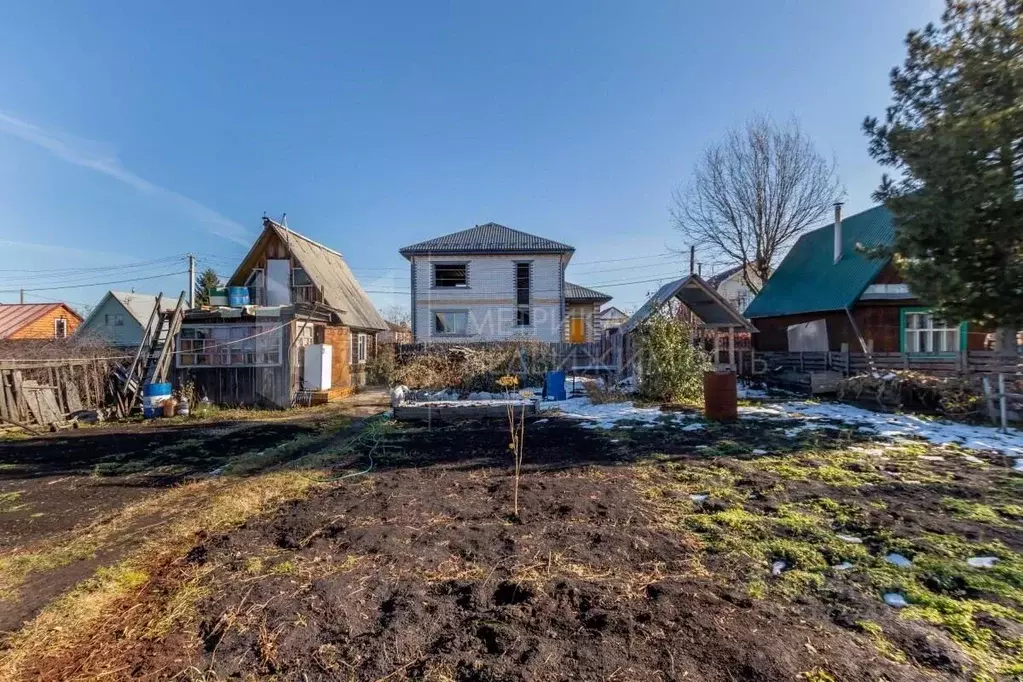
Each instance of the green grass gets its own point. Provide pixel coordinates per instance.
(742, 538)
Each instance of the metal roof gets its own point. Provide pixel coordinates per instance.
(716, 279)
(808, 280)
(696, 294)
(14, 316)
(139, 306)
(575, 292)
(488, 238)
(328, 270)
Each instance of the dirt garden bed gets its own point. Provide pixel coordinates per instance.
(644, 550)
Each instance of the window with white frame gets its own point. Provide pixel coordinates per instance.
(60, 328)
(927, 334)
(454, 322)
(229, 345)
(358, 348)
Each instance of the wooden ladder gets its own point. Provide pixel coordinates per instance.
(153, 358)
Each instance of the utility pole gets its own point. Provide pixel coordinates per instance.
(22, 296)
(191, 281)
(692, 259)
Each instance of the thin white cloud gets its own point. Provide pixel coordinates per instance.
(99, 157)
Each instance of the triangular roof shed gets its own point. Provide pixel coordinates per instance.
(489, 238)
(810, 281)
(327, 270)
(693, 292)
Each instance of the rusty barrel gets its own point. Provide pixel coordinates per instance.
(720, 399)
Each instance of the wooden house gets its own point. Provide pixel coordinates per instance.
(300, 293)
(37, 321)
(829, 294)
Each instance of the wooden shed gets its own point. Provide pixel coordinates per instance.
(300, 293)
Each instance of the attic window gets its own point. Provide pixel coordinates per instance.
(451, 275)
(299, 278)
(60, 328)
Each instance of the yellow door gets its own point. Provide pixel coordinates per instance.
(576, 330)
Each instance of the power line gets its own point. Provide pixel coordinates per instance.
(93, 284)
(64, 271)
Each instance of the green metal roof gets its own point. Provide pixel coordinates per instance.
(808, 280)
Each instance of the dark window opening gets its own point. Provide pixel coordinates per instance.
(450, 276)
(522, 286)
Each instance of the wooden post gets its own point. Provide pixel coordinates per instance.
(988, 398)
(1003, 403)
(88, 388)
(717, 347)
(19, 393)
(731, 348)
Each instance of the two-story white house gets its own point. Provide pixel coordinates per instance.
(493, 283)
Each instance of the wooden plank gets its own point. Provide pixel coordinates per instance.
(73, 401)
(4, 410)
(16, 382)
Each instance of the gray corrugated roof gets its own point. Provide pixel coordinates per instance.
(141, 305)
(809, 280)
(488, 238)
(694, 292)
(575, 292)
(328, 270)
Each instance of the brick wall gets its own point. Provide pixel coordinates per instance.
(490, 298)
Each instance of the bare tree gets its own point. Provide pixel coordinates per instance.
(399, 315)
(752, 194)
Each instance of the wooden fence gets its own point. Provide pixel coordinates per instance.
(849, 363)
(45, 392)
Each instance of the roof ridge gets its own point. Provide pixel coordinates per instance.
(302, 236)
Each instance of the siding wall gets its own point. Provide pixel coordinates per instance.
(490, 298)
(43, 327)
(129, 334)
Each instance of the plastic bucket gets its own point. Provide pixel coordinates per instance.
(238, 296)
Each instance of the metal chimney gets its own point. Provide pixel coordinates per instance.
(838, 231)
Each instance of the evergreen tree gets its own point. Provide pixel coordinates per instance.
(954, 136)
(203, 284)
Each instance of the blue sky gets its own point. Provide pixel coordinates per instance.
(131, 133)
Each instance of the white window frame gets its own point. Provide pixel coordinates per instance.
(357, 348)
(922, 331)
(230, 345)
(433, 322)
(60, 328)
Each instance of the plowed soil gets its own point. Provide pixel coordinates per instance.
(421, 571)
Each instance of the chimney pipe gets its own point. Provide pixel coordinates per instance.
(838, 231)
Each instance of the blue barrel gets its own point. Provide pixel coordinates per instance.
(153, 397)
(157, 389)
(237, 296)
(555, 388)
